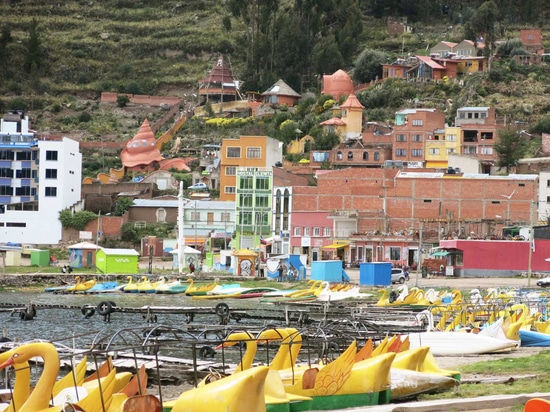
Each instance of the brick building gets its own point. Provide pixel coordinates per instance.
(375, 211)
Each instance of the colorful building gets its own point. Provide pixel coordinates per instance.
(123, 261)
(253, 207)
(247, 153)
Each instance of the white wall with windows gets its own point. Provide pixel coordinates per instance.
(58, 187)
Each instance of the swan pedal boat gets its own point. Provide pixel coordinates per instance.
(81, 286)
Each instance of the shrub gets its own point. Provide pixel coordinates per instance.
(84, 117)
(122, 100)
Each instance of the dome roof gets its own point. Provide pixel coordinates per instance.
(338, 84)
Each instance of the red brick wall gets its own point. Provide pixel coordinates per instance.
(411, 199)
(110, 226)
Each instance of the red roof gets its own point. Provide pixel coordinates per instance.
(428, 60)
(352, 102)
(334, 121)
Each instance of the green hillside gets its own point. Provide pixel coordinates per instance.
(57, 57)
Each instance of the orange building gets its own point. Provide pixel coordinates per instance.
(246, 152)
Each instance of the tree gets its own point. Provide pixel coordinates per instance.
(510, 148)
(122, 205)
(35, 52)
(482, 25)
(368, 65)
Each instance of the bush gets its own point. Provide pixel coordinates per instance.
(122, 100)
(77, 220)
(84, 117)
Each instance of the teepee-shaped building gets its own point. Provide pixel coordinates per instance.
(219, 85)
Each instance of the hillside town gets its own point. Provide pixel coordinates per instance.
(414, 191)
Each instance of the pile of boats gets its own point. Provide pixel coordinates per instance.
(370, 375)
(318, 290)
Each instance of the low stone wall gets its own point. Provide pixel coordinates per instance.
(36, 279)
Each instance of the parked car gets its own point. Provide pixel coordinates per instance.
(198, 186)
(398, 276)
(544, 282)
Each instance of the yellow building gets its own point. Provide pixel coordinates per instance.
(350, 123)
(443, 142)
(245, 153)
(298, 146)
(472, 64)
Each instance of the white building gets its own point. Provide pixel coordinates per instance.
(38, 179)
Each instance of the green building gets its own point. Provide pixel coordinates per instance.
(253, 207)
(125, 261)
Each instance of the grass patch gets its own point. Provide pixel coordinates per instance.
(537, 364)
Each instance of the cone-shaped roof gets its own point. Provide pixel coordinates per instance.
(141, 149)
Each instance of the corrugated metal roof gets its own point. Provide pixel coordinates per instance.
(472, 108)
(155, 203)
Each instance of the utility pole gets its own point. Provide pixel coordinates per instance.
(531, 244)
(419, 267)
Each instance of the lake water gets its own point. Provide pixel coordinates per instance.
(66, 324)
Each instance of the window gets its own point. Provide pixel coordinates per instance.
(434, 151)
(486, 150)
(376, 156)
(230, 170)
(51, 191)
(326, 231)
(51, 173)
(400, 152)
(51, 154)
(262, 183)
(246, 218)
(451, 150)
(234, 152)
(210, 218)
(395, 253)
(23, 174)
(16, 224)
(195, 216)
(451, 137)
(401, 138)
(246, 182)
(470, 150)
(365, 155)
(6, 172)
(418, 122)
(225, 216)
(350, 155)
(6, 155)
(416, 152)
(253, 152)
(297, 231)
(245, 200)
(230, 189)
(417, 138)
(23, 191)
(339, 156)
(316, 231)
(306, 231)
(6, 190)
(262, 200)
(23, 156)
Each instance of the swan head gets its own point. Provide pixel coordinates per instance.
(25, 352)
(235, 338)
